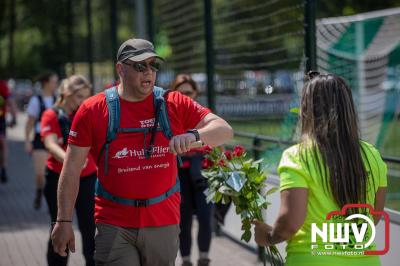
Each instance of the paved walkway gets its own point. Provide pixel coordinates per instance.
(24, 231)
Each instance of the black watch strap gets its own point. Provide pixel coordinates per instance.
(195, 133)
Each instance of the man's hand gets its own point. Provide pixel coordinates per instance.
(62, 238)
(261, 231)
(181, 143)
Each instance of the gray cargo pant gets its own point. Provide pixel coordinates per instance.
(149, 246)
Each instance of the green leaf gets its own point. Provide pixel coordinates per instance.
(238, 210)
(294, 110)
(246, 224)
(260, 200)
(210, 197)
(236, 201)
(217, 197)
(226, 199)
(266, 204)
(224, 189)
(272, 190)
(249, 195)
(256, 163)
(246, 236)
(260, 178)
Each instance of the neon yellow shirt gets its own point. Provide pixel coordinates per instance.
(294, 173)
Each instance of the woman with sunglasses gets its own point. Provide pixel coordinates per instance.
(193, 184)
(330, 168)
(55, 125)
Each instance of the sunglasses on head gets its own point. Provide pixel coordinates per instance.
(312, 74)
(142, 66)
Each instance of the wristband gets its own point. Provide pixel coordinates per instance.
(61, 221)
(195, 133)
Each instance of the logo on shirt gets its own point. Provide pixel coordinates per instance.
(73, 133)
(122, 153)
(46, 128)
(147, 123)
(158, 151)
(348, 235)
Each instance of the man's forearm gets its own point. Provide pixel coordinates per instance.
(216, 132)
(68, 185)
(67, 192)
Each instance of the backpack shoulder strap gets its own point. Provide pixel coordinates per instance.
(112, 100)
(159, 98)
(64, 121)
(42, 107)
(113, 106)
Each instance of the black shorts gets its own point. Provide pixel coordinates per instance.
(2, 126)
(37, 143)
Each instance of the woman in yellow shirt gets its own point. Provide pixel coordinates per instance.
(329, 168)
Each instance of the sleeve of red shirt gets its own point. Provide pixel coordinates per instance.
(49, 124)
(4, 91)
(190, 112)
(81, 133)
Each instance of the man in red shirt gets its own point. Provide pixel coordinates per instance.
(128, 172)
(5, 100)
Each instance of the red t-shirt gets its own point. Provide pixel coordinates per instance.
(187, 155)
(130, 174)
(4, 94)
(50, 125)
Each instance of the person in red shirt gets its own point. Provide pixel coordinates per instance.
(5, 101)
(54, 130)
(137, 211)
(193, 184)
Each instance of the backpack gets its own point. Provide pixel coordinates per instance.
(42, 106)
(64, 121)
(161, 118)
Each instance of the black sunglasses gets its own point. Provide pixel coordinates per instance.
(142, 66)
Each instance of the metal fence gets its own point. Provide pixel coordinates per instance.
(232, 47)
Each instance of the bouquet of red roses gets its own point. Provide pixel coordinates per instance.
(233, 177)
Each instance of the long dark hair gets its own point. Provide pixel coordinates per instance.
(329, 124)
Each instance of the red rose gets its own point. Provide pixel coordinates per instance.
(207, 163)
(207, 149)
(221, 163)
(238, 151)
(228, 154)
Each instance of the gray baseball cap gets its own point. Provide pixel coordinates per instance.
(136, 50)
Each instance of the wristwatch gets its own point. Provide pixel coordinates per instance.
(195, 133)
